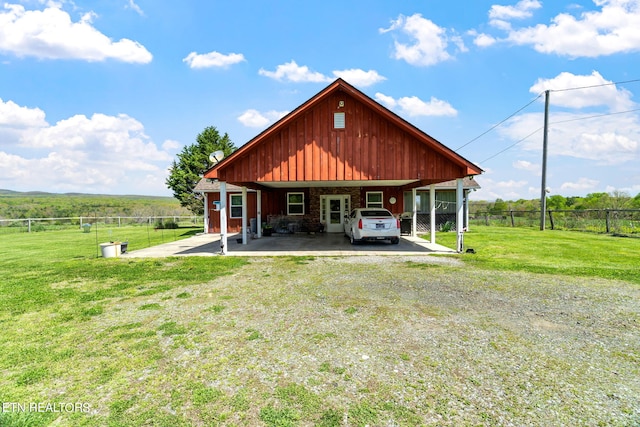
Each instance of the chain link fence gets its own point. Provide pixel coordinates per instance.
(613, 221)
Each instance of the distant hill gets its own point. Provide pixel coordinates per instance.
(40, 204)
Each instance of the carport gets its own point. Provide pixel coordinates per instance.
(288, 245)
(338, 151)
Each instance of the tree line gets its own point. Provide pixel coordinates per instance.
(16, 205)
(612, 200)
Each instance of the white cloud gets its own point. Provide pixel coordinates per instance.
(295, 73)
(483, 40)
(610, 96)
(521, 10)
(133, 6)
(14, 116)
(51, 34)
(212, 59)
(256, 119)
(528, 166)
(359, 77)
(170, 145)
(581, 184)
(429, 43)
(608, 140)
(414, 106)
(611, 29)
(100, 153)
(491, 189)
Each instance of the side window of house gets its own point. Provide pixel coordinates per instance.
(236, 205)
(295, 203)
(374, 199)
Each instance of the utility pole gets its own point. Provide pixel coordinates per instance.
(543, 187)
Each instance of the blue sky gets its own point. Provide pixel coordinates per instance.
(99, 96)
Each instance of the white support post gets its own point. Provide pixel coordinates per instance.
(432, 210)
(206, 213)
(259, 216)
(459, 214)
(466, 210)
(244, 215)
(223, 218)
(414, 213)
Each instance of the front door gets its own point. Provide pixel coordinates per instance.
(335, 212)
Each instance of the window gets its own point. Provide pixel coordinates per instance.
(236, 205)
(295, 203)
(374, 199)
(338, 120)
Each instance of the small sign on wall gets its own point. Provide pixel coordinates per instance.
(216, 205)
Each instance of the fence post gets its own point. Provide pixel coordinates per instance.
(551, 219)
(606, 211)
(29, 226)
(486, 219)
(513, 223)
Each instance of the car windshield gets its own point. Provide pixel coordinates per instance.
(378, 213)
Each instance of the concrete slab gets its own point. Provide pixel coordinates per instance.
(287, 245)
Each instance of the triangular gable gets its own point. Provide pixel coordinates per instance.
(375, 145)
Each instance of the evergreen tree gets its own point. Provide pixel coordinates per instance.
(191, 163)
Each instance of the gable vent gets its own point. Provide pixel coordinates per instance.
(338, 120)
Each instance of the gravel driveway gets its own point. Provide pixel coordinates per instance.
(409, 341)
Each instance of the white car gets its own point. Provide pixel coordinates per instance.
(366, 224)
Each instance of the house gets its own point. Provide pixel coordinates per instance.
(337, 151)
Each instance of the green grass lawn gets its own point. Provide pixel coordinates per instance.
(550, 251)
(131, 340)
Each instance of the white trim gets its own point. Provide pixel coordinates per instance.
(206, 213)
(244, 215)
(459, 214)
(432, 216)
(414, 213)
(295, 204)
(235, 205)
(345, 209)
(223, 218)
(259, 214)
(374, 204)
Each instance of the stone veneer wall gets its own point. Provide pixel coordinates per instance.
(310, 221)
(316, 192)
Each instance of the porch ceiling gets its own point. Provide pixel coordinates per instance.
(307, 184)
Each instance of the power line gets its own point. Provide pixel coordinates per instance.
(498, 124)
(595, 116)
(559, 122)
(592, 86)
(539, 95)
(512, 145)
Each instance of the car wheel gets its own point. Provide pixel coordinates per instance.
(395, 240)
(352, 240)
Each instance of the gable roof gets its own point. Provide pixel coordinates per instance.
(419, 150)
(206, 185)
(468, 183)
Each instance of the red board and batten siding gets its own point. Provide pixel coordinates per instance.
(369, 148)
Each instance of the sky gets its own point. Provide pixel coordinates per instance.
(100, 96)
